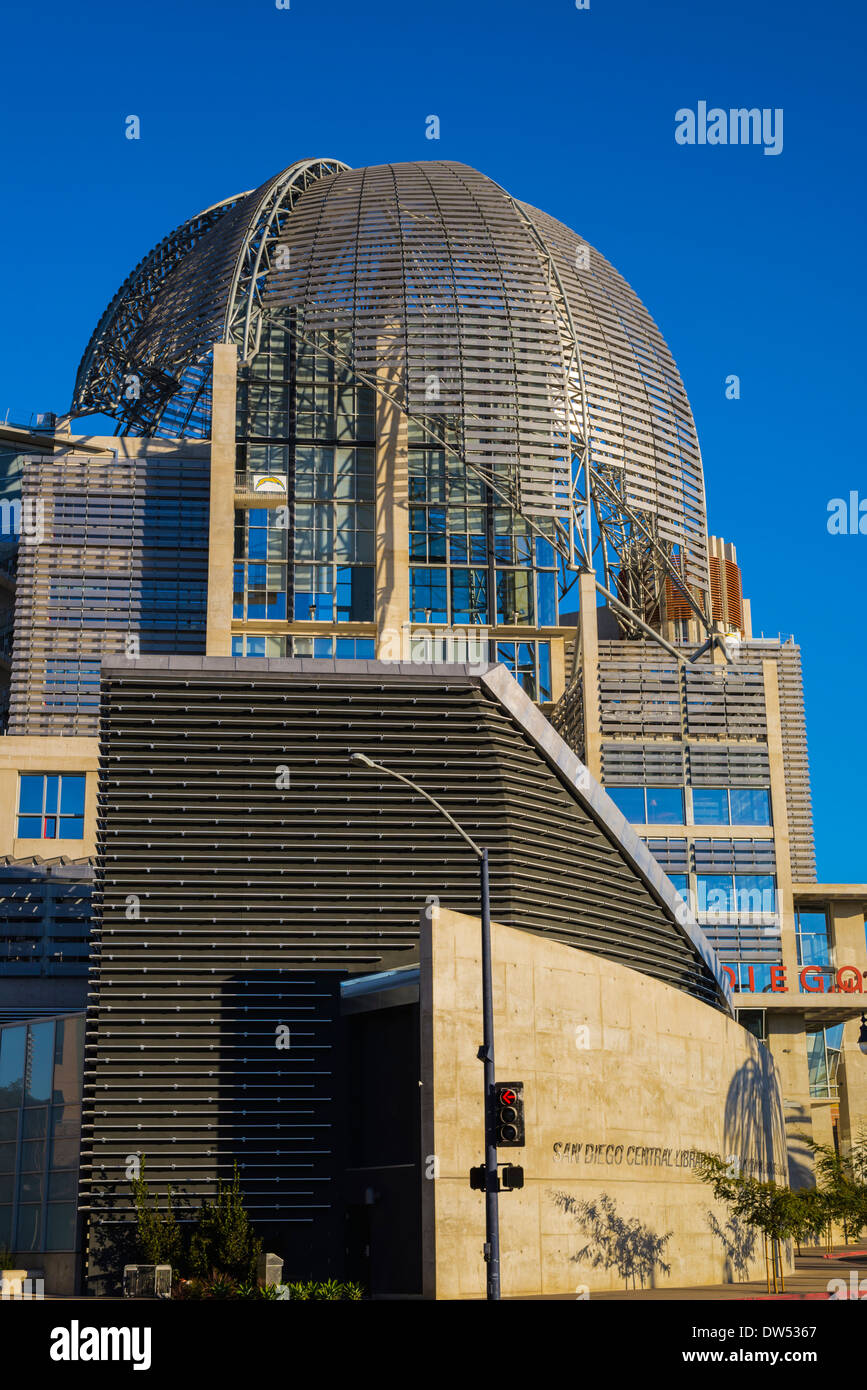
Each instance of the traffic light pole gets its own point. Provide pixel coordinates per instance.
(486, 1052)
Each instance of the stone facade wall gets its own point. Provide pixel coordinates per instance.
(624, 1078)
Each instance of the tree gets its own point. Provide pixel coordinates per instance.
(159, 1237)
(810, 1216)
(767, 1206)
(839, 1180)
(224, 1241)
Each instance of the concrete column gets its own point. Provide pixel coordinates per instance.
(392, 514)
(221, 532)
(847, 936)
(788, 1046)
(588, 656)
(558, 667)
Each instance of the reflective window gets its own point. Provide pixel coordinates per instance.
(750, 977)
(731, 806)
(750, 806)
(40, 1063)
(754, 1022)
(68, 1059)
(51, 806)
(261, 551)
(664, 806)
(710, 806)
(824, 1058)
(530, 664)
(629, 801)
(681, 883)
(755, 893)
(746, 894)
(13, 1051)
(60, 1226)
(29, 1233)
(65, 1130)
(428, 601)
(649, 805)
(715, 893)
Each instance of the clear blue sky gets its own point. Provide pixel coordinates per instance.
(752, 264)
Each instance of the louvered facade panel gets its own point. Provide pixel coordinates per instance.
(124, 561)
(728, 765)
(642, 764)
(671, 855)
(721, 856)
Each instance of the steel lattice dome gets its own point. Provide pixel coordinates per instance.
(539, 350)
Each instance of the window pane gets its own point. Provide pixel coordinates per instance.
(710, 806)
(52, 788)
(13, 1044)
(72, 795)
(755, 892)
(60, 1226)
(754, 1022)
(35, 1124)
(629, 801)
(681, 883)
(546, 582)
(30, 794)
(29, 1228)
(469, 596)
(31, 1186)
(68, 1060)
(33, 1158)
(664, 806)
(30, 827)
(66, 1127)
(40, 1063)
(8, 1125)
(544, 692)
(715, 893)
(750, 806)
(63, 1187)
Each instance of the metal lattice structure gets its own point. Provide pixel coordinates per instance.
(148, 365)
(504, 334)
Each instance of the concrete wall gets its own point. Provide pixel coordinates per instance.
(613, 1064)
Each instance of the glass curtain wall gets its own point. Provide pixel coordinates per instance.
(40, 1126)
(305, 537)
(306, 431)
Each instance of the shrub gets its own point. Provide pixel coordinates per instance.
(223, 1241)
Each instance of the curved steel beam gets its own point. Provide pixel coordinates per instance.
(126, 311)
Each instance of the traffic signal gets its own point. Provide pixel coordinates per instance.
(509, 1114)
(512, 1175)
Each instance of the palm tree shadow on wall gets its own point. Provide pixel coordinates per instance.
(755, 1128)
(614, 1241)
(738, 1242)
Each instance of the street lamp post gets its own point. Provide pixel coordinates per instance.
(486, 1051)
